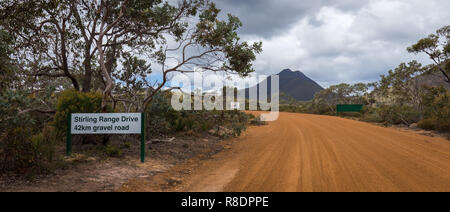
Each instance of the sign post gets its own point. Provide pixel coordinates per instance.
(69, 135)
(142, 137)
(105, 123)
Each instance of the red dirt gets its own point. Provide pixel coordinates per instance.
(320, 153)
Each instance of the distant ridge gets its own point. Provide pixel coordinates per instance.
(433, 79)
(294, 84)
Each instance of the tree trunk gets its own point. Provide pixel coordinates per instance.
(87, 73)
(109, 82)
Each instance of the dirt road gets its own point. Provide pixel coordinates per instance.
(321, 153)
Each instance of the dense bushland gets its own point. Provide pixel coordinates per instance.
(403, 96)
(69, 56)
(385, 102)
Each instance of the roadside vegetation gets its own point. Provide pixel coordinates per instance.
(404, 96)
(60, 57)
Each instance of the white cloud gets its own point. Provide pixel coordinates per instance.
(334, 45)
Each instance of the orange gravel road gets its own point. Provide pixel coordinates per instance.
(320, 153)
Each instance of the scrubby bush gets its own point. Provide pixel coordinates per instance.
(257, 121)
(24, 153)
(10, 103)
(435, 124)
(72, 101)
(44, 143)
(160, 116)
(26, 145)
(428, 124)
(392, 114)
(112, 151)
(437, 110)
(162, 119)
(238, 121)
(16, 150)
(371, 115)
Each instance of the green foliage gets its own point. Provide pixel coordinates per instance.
(428, 124)
(372, 117)
(162, 119)
(213, 33)
(238, 121)
(16, 150)
(72, 101)
(393, 114)
(73, 28)
(437, 100)
(437, 47)
(402, 86)
(6, 65)
(26, 145)
(11, 101)
(437, 110)
(35, 29)
(257, 121)
(44, 143)
(435, 124)
(24, 153)
(112, 151)
(325, 101)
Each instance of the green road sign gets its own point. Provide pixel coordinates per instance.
(348, 108)
(105, 123)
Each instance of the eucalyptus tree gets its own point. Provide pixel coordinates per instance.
(6, 66)
(437, 47)
(403, 84)
(108, 45)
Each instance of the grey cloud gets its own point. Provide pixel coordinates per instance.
(335, 41)
(267, 18)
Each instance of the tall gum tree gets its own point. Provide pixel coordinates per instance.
(437, 47)
(84, 42)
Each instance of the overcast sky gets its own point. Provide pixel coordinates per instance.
(335, 41)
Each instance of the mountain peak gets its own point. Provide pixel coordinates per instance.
(289, 72)
(286, 71)
(294, 84)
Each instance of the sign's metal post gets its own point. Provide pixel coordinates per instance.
(69, 135)
(142, 137)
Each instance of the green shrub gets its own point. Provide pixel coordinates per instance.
(434, 124)
(444, 125)
(44, 144)
(127, 145)
(113, 151)
(238, 128)
(372, 117)
(23, 153)
(10, 102)
(257, 121)
(71, 101)
(437, 109)
(398, 114)
(250, 116)
(427, 124)
(239, 121)
(16, 151)
(162, 119)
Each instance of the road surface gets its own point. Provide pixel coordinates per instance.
(321, 153)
